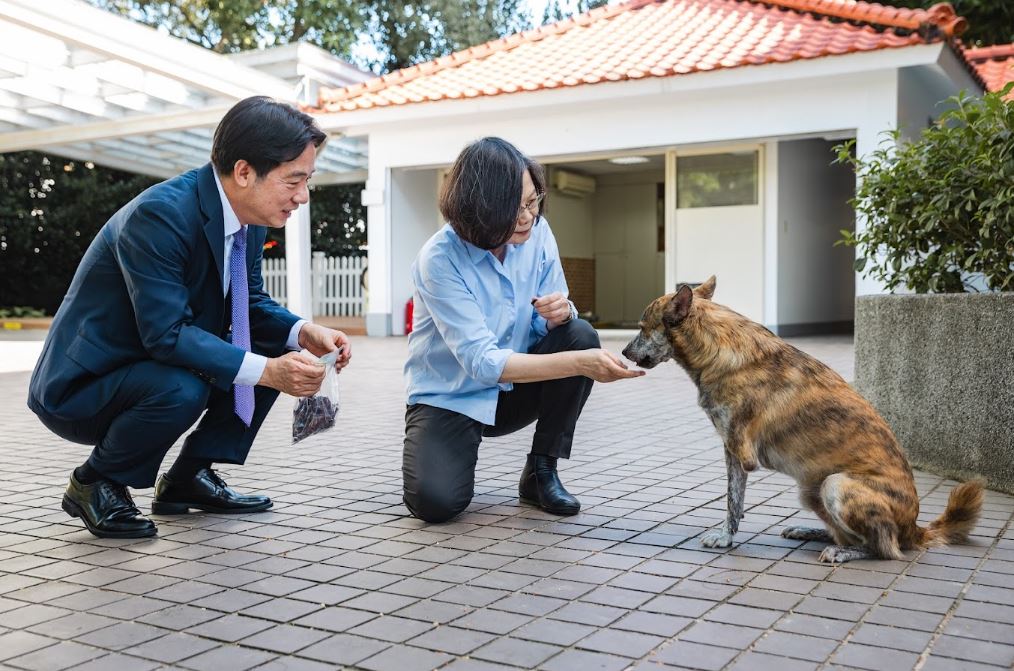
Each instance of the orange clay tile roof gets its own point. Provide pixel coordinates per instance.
(994, 64)
(653, 38)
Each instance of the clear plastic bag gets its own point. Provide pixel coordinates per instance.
(315, 414)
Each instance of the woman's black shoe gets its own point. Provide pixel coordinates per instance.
(540, 486)
(106, 510)
(205, 491)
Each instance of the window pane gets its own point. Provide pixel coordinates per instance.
(715, 180)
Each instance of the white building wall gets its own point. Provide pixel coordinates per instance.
(666, 116)
(663, 119)
(571, 220)
(629, 270)
(815, 279)
(415, 217)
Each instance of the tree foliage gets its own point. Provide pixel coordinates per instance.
(939, 210)
(557, 10)
(240, 25)
(380, 35)
(337, 223)
(989, 21)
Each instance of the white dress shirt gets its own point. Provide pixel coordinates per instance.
(253, 365)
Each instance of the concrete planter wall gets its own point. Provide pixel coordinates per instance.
(940, 369)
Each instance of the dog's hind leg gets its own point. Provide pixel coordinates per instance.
(839, 554)
(722, 536)
(810, 498)
(860, 520)
(808, 534)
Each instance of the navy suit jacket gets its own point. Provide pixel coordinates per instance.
(150, 288)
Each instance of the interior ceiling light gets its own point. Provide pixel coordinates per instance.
(629, 160)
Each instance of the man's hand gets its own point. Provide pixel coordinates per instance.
(294, 373)
(554, 308)
(320, 340)
(603, 366)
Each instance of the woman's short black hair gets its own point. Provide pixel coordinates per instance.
(264, 133)
(481, 196)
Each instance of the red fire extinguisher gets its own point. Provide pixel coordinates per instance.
(408, 316)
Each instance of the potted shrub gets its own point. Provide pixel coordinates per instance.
(938, 360)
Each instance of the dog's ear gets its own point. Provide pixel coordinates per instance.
(678, 307)
(707, 289)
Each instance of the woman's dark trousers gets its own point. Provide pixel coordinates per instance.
(442, 446)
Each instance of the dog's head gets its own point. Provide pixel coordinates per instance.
(654, 344)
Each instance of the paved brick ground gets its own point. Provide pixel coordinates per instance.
(338, 574)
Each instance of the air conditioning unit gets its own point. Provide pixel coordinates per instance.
(573, 184)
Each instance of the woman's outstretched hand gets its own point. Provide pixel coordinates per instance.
(604, 366)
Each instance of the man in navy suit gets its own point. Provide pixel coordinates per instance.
(167, 320)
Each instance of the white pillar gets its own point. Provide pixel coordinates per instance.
(670, 222)
(378, 234)
(772, 224)
(297, 263)
(868, 138)
(881, 115)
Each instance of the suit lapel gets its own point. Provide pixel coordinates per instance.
(214, 227)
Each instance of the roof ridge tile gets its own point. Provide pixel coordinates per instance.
(996, 51)
(941, 15)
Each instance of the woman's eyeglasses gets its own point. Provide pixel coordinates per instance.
(532, 206)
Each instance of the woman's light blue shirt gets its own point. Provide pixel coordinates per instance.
(471, 313)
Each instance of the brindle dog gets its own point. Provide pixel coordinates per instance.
(778, 407)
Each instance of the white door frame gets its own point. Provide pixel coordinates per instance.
(671, 154)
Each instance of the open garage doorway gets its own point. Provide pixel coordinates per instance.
(608, 216)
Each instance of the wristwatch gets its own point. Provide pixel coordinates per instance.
(573, 312)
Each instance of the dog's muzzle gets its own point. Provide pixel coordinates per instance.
(634, 352)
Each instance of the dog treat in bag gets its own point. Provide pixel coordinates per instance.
(314, 414)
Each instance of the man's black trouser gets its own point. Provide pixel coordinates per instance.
(442, 446)
(152, 408)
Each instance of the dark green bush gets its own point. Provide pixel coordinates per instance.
(939, 210)
(50, 210)
(337, 223)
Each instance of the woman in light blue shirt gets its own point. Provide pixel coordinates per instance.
(496, 344)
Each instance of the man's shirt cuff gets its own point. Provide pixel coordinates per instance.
(251, 370)
(293, 341)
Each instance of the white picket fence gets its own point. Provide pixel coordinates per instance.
(336, 283)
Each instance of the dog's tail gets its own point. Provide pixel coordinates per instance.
(959, 517)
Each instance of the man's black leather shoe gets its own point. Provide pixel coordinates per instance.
(106, 510)
(540, 486)
(207, 492)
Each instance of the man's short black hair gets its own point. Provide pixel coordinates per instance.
(264, 133)
(481, 196)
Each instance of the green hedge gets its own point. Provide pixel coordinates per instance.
(50, 209)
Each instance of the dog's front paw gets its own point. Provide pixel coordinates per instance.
(716, 538)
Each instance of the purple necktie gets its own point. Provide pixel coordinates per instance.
(244, 394)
